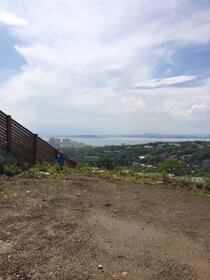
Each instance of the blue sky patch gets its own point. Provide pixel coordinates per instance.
(191, 60)
(10, 61)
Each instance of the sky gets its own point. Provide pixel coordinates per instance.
(106, 67)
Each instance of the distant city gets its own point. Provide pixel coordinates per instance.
(65, 143)
(80, 141)
(144, 135)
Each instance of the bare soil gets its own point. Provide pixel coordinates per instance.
(83, 227)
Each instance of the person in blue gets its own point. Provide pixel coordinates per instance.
(60, 161)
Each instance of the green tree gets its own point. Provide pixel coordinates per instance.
(174, 166)
(105, 162)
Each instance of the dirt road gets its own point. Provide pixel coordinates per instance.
(87, 228)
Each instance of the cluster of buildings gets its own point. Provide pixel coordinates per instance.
(162, 156)
(64, 143)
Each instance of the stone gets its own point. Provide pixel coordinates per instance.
(100, 266)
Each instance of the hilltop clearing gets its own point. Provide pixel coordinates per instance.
(85, 227)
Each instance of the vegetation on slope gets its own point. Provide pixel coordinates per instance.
(182, 158)
(173, 164)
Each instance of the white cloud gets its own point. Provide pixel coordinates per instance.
(166, 81)
(83, 56)
(199, 111)
(11, 19)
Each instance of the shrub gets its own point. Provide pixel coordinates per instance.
(38, 170)
(105, 162)
(165, 177)
(207, 184)
(1, 168)
(174, 166)
(11, 169)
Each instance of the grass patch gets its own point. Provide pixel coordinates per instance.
(44, 170)
(196, 184)
(129, 176)
(54, 171)
(10, 169)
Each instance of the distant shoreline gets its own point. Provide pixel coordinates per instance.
(147, 135)
(127, 140)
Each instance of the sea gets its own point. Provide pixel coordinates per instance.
(111, 140)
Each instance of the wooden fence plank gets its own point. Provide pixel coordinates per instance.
(22, 143)
(9, 135)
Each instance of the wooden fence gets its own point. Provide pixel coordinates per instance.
(22, 143)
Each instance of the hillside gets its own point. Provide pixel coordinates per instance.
(194, 156)
(85, 227)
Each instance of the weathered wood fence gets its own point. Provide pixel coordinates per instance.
(22, 143)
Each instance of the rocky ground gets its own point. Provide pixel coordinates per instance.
(84, 227)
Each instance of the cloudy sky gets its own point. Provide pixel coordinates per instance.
(98, 67)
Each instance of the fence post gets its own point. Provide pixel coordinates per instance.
(9, 134)
(35, 148)
(56, 153)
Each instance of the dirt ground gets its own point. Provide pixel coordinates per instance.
(83, 227)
